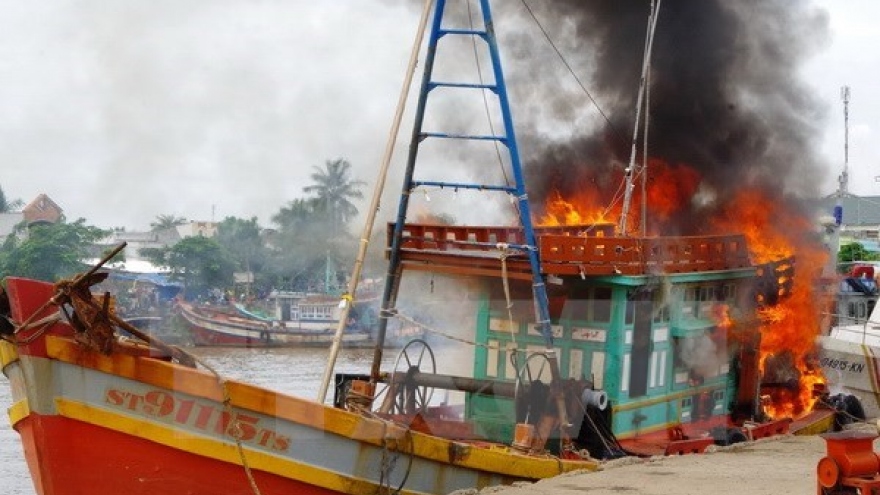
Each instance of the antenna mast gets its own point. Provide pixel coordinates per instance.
(844, 177)
(631, 168)
(842, 190)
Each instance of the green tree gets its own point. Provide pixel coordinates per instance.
(299, 247)
(201, 264)
(164, 222)
(242, 239)
(855, 251)
(295, 215)
(333, 191)
(6, 205)
(50, 251)
(156, 256)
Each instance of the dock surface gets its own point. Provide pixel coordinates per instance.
(772, 466)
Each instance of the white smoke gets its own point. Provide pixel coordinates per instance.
(703, 356)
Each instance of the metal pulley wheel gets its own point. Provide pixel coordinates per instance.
(409, 398)
(827, 472)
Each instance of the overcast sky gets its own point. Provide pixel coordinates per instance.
(122, 111)
(852, 58)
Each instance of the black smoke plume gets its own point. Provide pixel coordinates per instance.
(726, 95)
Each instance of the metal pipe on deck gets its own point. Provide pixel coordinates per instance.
(457, 383)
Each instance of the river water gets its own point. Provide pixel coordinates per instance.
(291, 371)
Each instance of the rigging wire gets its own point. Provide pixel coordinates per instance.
(644, 170)
(618, 195)
(646, 64)
(486, 106)
(568, 67)
(632, 172)
(486, 100)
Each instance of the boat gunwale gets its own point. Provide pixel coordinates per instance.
(504, 460)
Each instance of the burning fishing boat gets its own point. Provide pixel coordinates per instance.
(592, 340)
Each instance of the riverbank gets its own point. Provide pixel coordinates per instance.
(772, 466)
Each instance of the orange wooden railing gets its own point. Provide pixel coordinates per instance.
(567, 250)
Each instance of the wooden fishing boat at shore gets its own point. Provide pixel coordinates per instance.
(155, 424)
(849, 351)
(308, 322)
(218, 326)
(582, 351)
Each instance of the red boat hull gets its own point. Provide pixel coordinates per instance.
(69, 457)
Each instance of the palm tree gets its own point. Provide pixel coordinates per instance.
(7, 206)
(334, 190)
(164, 222)
(294, 215)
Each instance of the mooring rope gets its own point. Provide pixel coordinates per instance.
(234, 424)
(505, 252)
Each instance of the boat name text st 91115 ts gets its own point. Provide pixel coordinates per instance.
(203, 416)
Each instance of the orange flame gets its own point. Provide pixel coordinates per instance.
(579, 211)
(791, 326)
(772, 231)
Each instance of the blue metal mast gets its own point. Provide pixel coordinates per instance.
(517, 190)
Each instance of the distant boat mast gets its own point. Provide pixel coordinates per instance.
(631, 168)
(843, 187)
(833, 228)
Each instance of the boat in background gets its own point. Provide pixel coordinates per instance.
(849, 352)
(856, 295)
(162, 328)
(312, 325)
(297, 320)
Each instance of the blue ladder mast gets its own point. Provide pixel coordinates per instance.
(517, 190)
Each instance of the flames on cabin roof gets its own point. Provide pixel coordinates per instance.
(732, 141)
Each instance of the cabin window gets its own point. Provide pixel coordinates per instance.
(678, 358)
(857, 310)
(576, 364)
(699, 301)
(597, 369)
(689, 306)
(697, 358)
(661, 314)
(492, 356)
(317, 312)
(600, 304)
(707, 297)
(658, 369)
(630, 311)
(707, 294)
(728, 292)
